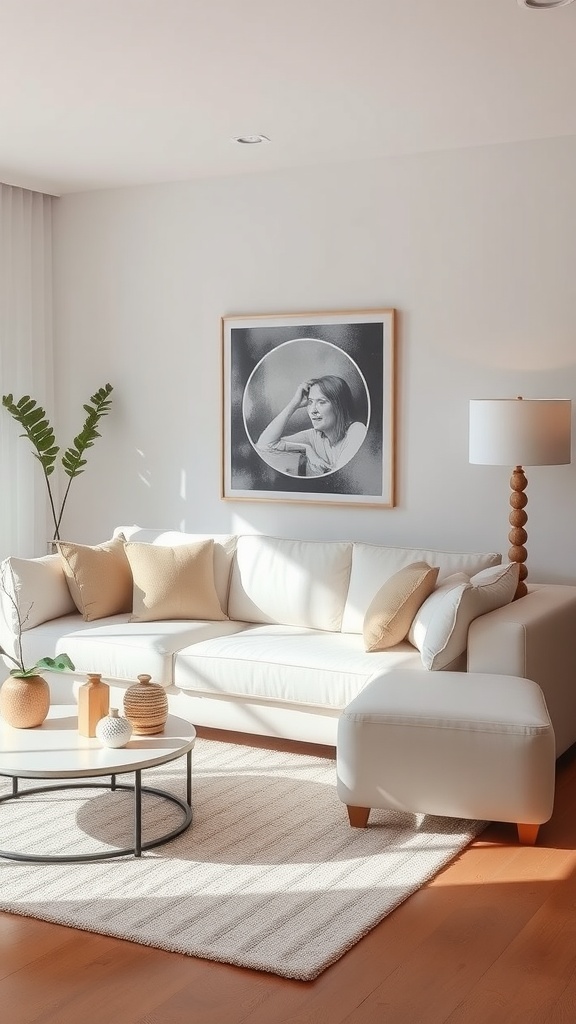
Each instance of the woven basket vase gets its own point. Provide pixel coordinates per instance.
(24, 703)
(146, 707)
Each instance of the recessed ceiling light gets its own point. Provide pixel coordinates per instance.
(250, 140)
(544, 5)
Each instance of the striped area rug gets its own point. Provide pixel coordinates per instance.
(270, 876)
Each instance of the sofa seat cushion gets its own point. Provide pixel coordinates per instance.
(288, 664)
(117, 648)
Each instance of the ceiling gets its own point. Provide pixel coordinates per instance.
(106, 93)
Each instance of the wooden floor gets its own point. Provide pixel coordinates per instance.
(492, 939)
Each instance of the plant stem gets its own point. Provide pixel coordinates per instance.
(64, 499)
(52, 506)
(19, 664)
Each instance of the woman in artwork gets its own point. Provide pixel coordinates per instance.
(335, 434)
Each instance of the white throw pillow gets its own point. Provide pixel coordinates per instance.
(39, 588)
(440, 627)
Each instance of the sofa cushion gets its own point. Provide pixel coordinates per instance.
(286, 664)
(440, 627)
(38, 589)
(372, 565)
(224, 547)
(118, 648)
(392, 609)
(299, 583)
(173, 582)
(98, 577)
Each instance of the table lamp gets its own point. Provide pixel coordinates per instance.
(520, 432)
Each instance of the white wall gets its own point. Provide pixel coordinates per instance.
(476, 249)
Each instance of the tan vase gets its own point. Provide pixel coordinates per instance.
(93, 703)
(24, 703)
(146, 707)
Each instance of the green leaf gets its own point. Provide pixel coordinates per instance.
(32, 417)
(61, 663)
(72, 461)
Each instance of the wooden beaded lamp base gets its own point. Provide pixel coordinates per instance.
(518, 519)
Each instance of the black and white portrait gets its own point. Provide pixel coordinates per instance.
(308, 407)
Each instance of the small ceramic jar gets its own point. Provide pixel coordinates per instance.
(112, 730)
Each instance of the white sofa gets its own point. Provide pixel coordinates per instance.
(288, 654)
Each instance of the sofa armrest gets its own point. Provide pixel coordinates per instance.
(534, 637)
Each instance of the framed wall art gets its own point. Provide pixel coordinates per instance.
(308, 407)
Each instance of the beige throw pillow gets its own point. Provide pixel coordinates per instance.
(173, 582)
(99, 577)
(393, 608)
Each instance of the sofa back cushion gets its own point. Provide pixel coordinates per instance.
(292, 582)
(373, 565)
(224, 546)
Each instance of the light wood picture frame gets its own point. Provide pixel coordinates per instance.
(308, 407)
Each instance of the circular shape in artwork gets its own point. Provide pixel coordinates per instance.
(306, 408)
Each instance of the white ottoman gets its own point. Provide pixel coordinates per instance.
(459, 744)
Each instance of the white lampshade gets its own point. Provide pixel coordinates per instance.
(520, 432)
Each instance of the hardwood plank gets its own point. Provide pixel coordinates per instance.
(491, 938)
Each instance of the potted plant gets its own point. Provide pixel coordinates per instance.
(39, 432)
(25, 694)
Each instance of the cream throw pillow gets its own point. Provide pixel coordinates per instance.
(99, 577)
(393, 608)
(440, 627)
(38, 589)
(173, 582)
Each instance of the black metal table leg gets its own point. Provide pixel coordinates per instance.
(138, 813)
(189, 778)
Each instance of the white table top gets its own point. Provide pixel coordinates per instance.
(55, 750)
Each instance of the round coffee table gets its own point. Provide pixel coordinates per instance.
(55, 750)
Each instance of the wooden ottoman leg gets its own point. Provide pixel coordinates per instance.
(527, 834)
(358, 816)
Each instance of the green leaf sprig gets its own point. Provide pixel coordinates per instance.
(37, 428)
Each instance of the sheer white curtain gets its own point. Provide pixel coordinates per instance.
(25, 362)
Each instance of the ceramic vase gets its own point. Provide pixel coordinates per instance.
(24, 703)
(93, 703)
(113, 730)
(146, 707)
